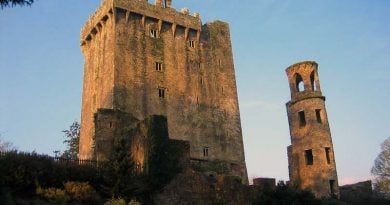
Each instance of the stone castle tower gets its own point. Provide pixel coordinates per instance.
(142, 60)
(311, 157)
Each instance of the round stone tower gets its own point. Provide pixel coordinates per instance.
(311, 158)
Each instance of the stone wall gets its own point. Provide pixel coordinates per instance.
(198, 182)
(356, 192)
(151, 60)
(195, 188)
(113, 125)
(98, 79)
(268, 183)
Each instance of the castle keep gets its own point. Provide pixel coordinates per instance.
(311, 157)
(142, 60)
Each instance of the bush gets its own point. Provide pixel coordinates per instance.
(52, 193)
(80, 191)
(28, 174)
(284, 195)
(23, 173)
(118, 201)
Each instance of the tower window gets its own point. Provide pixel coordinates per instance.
(331, 186)
(318, 115)
(302, 119)
(309, 157)
(161, 92)
(327, 153)
(105, 18)
(299, 83)
(153, 33)
(312, 81)
(205, 151)
(111, 124)
(159, 66)
(192, 43)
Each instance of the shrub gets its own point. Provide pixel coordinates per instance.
(79, 191)
(118, 201)
(23, 172)
(52, 193)
(285, 195)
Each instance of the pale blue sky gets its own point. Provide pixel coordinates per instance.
(41, 68)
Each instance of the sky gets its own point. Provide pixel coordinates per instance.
(41, 72)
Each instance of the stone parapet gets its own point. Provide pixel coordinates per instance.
(143, 8)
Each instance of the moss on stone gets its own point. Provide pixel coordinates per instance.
(158, 47)
(219, 167)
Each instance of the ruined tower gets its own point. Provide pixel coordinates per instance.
(145, 59)
(310, 155)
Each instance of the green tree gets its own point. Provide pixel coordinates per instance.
(381, 169)
(118, 170)
(7, 3)
(72, 137)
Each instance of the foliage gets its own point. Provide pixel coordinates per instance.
(367, 200)
(284, 195)
(121, 201)
(118, 201)
(5, 146)
(162, 164)
(23, 176)
(52, 193)
(72, 137)
(29, 174)
(381, 169)
(8, 199)
(118, 170)
(7, 3)
(164, 155)
(81, 191)
(24, 172)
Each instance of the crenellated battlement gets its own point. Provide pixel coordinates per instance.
(162, 13)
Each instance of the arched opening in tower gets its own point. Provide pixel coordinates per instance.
(299, 83)
(312, 81)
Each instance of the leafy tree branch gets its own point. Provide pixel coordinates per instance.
(12, 3)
